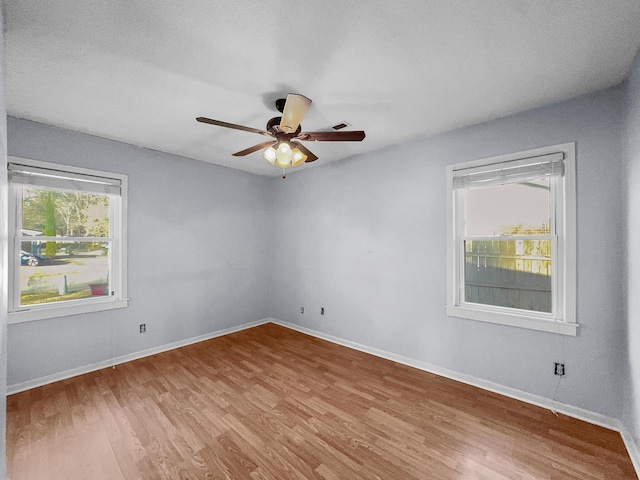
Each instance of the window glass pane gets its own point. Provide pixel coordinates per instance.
(60, 213)
(77, 270)
(512, 209)
(509, 273)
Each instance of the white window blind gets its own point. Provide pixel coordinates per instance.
(47, 177)
(551, 165)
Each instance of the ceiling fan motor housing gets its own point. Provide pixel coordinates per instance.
(273, 125)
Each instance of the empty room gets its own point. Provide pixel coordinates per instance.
(328, 240)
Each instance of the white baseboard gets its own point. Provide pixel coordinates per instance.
(632, 447)
(38, 382)
(566, 409)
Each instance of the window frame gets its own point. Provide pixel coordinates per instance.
(118, 263)
(562, 320)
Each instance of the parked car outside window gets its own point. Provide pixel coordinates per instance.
(32, 259)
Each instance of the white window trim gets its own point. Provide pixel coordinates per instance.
(75, 307)
(564, 322)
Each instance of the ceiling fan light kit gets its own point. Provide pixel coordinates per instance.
(282, 151)
(284, 156)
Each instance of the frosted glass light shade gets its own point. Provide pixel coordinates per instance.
(284, 155)
(298, 157)
(270, 155)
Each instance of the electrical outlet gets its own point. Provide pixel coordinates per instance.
(143, 328)
(559, 369)
(321, 310)
(301, 309)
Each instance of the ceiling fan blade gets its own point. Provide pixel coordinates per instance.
(255, 148)
(311, 157)
(232, 125)
(295, 108)
(353, 136)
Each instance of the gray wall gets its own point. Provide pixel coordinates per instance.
(365, 238)
(3, 252)
(631, 393)
(198, 254)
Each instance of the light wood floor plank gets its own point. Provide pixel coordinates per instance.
(272, 403)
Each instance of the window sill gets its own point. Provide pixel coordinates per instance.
(53, 311)
(530, 322)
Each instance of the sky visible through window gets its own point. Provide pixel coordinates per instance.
(497, 209)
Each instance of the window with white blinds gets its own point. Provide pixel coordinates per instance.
(68, 240)
(511, 239)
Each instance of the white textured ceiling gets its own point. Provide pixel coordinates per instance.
(140, 71)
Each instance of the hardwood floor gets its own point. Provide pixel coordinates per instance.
(272, 403)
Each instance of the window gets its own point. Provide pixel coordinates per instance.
(511, 239)
(67, 240)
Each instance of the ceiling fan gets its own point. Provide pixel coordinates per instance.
(284, 149)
